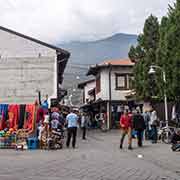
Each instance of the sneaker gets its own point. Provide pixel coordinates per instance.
(130, 148)
(120, 146)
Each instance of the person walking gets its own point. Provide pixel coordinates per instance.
(138, 125)
(146, 116)
(72, 124)
(153, 123)
(126, 127)
(84, 125)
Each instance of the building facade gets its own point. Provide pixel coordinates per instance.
(88, 88)
(113, 84)
(29, 66)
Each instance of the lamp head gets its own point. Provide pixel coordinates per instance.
(151, 70)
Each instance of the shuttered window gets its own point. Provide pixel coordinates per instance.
(98, 84)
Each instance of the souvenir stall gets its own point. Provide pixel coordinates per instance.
(31, 126)
(17, 125)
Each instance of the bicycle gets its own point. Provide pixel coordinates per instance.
(165, 134)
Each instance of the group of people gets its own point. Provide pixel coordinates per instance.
(73, 121)
(56, 121)
(134, 123)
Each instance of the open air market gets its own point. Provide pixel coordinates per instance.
(89, 90)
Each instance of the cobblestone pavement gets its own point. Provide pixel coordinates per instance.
(98, 158)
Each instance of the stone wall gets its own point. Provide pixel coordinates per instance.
(25, 67)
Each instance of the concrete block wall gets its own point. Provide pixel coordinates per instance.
(25, 67)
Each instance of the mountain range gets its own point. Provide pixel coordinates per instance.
(84, 54)
(92, 52)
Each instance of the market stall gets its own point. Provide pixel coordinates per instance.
(31, 126)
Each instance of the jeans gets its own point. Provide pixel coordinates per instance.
(147, 133)
(127, 131)
(175, 147)
(71, 132)
(140, 137)
(83, 132)
(154, 135)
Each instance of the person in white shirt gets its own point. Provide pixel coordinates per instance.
(72, 124)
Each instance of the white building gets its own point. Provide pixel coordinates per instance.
(28, 65)
(112, 85)
(88, 88)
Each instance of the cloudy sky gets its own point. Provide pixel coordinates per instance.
(67, 20)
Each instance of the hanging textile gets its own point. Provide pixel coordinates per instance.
(2, 121)
(3, 115)
(29, 117)
(13, 111)
(22, 109)
(40, 115)
(54, 109)
(4, 108)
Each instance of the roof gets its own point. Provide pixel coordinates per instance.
(35, 40)
(82, 84)
(118, 62)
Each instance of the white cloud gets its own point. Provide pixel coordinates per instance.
(64, 20)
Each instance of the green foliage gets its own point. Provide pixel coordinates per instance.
(159, 45)
(169, 50)
(144, 54)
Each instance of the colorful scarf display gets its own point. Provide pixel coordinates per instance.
(29, 116)
(13, 112)
(3, 115)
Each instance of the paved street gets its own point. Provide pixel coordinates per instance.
(98, 158)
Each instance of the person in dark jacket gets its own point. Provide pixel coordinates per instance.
(176, 140)
(138, 125)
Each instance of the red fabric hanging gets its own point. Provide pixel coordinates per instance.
(13, 116)
(2, 122)
(40, 115)
(29, 116)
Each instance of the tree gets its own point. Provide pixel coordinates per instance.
(168, 53)
(144, 54)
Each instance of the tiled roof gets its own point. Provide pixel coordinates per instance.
(118, 62)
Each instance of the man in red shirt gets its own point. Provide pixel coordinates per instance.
(126, 128)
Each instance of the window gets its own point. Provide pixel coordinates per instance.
(121, 81)
(98, 84)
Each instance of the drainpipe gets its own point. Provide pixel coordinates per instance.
(110, 99)
(39, 97)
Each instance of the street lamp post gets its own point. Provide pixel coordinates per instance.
(152, 71)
